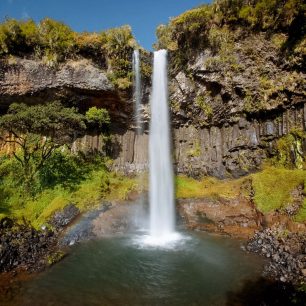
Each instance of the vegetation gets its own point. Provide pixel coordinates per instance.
(97, 117)
(36, 132)
(65, 179)
(187, 187)
(272, 188)
(289, 152)
(196, 150)
(119, 44)
(213, 26)
(207, 110)
(53, 42)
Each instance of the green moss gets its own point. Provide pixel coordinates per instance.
(187, 187)
(289, 152)
(273, 187)
(196, 150)
(301, 214)
(278, 40)
(55, 257)
(200, 101)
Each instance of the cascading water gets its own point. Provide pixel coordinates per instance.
(137, 97)
(137, 91)
(162, 211)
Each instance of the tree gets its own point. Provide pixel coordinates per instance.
(36, 132)
(97, 117)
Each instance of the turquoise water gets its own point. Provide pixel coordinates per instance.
(200, 269)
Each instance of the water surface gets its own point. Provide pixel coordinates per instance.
(200, 269)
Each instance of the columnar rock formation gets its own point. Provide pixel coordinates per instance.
(220, 136)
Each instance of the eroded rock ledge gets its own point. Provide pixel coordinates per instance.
(76, 82)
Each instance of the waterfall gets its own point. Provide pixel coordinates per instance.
(137, 91)
(161, 195)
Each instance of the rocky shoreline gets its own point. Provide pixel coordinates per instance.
(274, 236)
(286, 252)
(26, 249)
(23, 248)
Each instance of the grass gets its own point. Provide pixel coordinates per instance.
(272, 189)
(273, 186)
(86, 196)
(187, 187)
(301, 214)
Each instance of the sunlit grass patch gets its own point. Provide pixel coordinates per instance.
(207, 187)
(273, 187)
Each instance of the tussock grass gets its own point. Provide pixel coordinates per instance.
(272, 189)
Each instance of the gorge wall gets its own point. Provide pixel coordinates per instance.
(226, 116)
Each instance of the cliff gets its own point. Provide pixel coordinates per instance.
(236, 87)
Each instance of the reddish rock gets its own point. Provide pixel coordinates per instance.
(236, 217)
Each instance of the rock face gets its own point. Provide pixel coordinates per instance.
(253, 78)
(234, 217)
(25, 76)
(227, 113)
(227, 150)
(61, 219)
(80, 83)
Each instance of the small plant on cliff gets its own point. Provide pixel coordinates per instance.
(36, 132)
(204, 106)
(195, 151)
(289, 152)
(56, 38)
(97, 117)
(119, 44)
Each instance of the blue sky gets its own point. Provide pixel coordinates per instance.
(96, 15)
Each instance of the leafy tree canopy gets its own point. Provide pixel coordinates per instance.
(97, 116)
(37, 131)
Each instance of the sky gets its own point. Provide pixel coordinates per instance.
(96, 15)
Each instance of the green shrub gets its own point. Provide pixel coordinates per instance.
(56, 37)
(89, 43)
(289, 152)
(210, 24)
(200, 101)
(53, 42)
(65, 179)
(11, 37)
(97, 117)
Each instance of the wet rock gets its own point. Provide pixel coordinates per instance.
(62, 218)
(83, 229)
